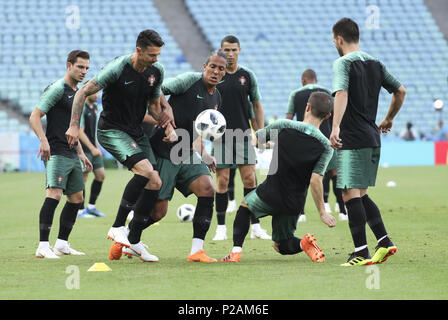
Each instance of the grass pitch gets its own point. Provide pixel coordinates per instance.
(415, 213)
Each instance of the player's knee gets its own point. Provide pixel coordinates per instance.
(249, 180)
(75, 197)
(100, 175)
(154, 183)
(208, 190)
(54, 193)
(289, 246)
(222, 182)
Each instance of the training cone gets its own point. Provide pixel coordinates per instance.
(99, 266)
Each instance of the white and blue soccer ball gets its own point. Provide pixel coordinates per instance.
(210, 124)
(185, 212)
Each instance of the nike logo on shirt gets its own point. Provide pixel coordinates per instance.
(70, 96)
(199, 97)
(127, 82)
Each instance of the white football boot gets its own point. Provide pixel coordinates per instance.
(139, 250)
(336, 208)
(221, 233)
(62, 247)
(302, 218)
(258, 233)
(327, 207)
(231, 207)
(44, 251)
(119, 235)
(343, 217)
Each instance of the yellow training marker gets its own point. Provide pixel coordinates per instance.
(99, 266)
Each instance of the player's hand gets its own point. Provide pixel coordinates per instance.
(170, 135)
(72, 135)
(385, 125)
(328, 219)
(86, 164)
(165, 118)
(44, 150)
(210, 161)
(335, 141)
(96, 152)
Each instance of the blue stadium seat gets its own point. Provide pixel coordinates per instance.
(297, 35)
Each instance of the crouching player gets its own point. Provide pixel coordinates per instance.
(300, 158)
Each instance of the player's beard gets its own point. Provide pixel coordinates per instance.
(341, 53)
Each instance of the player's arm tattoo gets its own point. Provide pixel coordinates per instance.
(88, 89)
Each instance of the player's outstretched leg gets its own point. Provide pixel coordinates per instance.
(201, 223)
(240, 230)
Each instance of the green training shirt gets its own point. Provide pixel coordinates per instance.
(56, 102)
(362, 77)
(126, 93)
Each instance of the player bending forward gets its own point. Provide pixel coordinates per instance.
(301, 156)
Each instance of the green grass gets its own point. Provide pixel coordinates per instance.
(415, 213)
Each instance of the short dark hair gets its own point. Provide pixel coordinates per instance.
(347, 29)
(216, 53)
(149, 38)
(230, 39)
(309, 74)
(75, 54)
(321, 104)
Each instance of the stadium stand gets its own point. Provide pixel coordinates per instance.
(280, 39)
(36, 37)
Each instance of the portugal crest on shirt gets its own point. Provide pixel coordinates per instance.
(151, 80)
(134, 145)
(242, 80)
(59, 179)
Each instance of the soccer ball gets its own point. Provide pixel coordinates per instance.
(185, 212)
(210, 124)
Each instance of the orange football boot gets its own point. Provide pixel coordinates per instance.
(232, 257)
(309, 245)
(200, 256)
(115, 251)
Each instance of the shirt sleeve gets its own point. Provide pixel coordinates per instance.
(390, 83)
(158, 89)
(321, 165)
(254, 93)
(111, 72)
(290, 107)
(50, 97)
(181, 83)
(279, 125)
(340, 75)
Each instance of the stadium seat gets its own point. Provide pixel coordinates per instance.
(282, 38)
(36, 40)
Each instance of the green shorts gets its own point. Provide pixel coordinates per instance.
(124, 148)
(179, 176)
(97, 162)
(357, 168)
(283, 226)
(64, 173)
(230, 155)
(333, 164)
